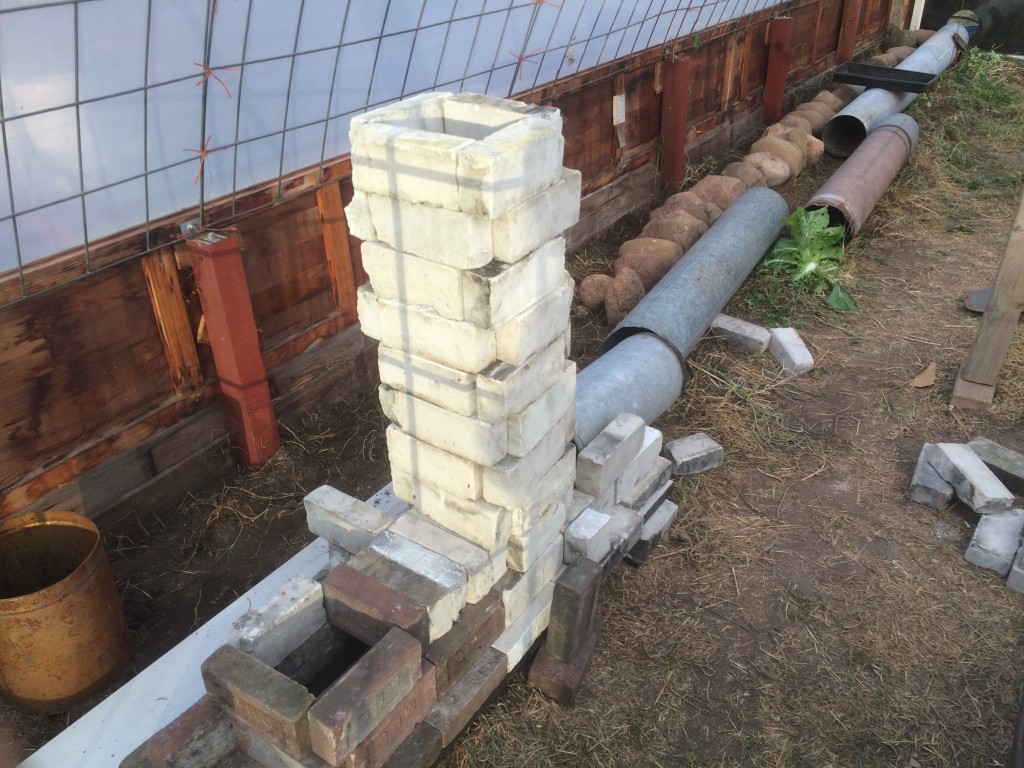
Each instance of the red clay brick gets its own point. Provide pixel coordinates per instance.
(274, 705)
(366, 608)
(478, 626)
(573, 607)
(420, 750)
(454, 711)
(376, 748)
(359, 700)
(266, 754)
(560, 680)
(198, 738)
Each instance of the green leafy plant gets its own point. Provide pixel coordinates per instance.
(812, 255)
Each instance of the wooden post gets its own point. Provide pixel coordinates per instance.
(168, 302)
(848, 29)
(780, 49)
(339, 259)
(227, 307)
(675, 101)
(976, 382)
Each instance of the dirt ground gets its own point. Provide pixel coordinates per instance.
(802, 611)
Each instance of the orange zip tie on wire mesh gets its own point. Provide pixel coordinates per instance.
(208, 73)
(202, 156)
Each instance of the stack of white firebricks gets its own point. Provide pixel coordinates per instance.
(495, 527)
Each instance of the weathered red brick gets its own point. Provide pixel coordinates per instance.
(560, 680)
(376, 748)
(455, 710)
(420, 750)
(359, 700)
(198, 738)
(366, 608)
(266, 754)
(274, 705)
(573, 607)
(478, 626)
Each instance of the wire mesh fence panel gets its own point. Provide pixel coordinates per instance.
(116, 114)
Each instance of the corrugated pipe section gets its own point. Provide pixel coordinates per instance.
(641, 369)
(844, 132)
(853, 191)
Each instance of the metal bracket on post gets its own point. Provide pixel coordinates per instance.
(189, 228)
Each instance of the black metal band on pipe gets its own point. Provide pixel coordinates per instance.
(680, 308)
(853, 191)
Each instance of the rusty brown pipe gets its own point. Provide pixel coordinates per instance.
(852, 192)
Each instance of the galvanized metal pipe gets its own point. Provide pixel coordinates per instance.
(844, 132)
(641, 368)
(642, 375)
(680, 308)
(853, 191)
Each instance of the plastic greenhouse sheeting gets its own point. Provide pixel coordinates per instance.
(118, 112)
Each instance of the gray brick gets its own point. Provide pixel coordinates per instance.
(606, 457)
(996, 540)
(927, 486)
(974, 482)
(694, 453)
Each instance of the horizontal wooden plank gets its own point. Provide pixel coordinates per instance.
(76, 363)
(94, 454)
(602, 209)
(340, 365)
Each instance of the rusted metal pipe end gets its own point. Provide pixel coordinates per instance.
(843, 134)
(852, 192)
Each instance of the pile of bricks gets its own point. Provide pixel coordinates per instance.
(494, 530)
(979, 473)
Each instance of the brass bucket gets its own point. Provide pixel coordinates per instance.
(63, 633)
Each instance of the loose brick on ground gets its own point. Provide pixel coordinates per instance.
(790, 351)
(741, 334)
(694, 453)
(996, 541)
(1006, 463)
(975, 484)
(927, 486)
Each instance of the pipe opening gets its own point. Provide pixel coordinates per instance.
(836, 218)
(843, 134)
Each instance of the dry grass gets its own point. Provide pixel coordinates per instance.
(803, 612)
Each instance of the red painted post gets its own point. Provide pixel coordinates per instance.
(227, 307)
(780, 48)
(675, 101)
(848, 30)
